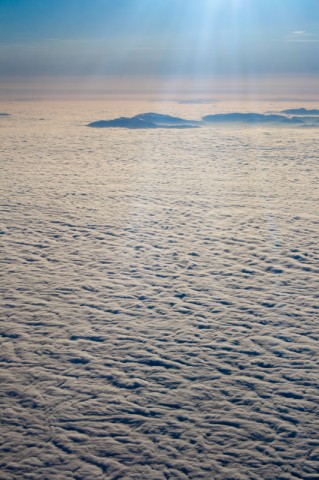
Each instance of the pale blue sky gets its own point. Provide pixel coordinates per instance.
(161, 38)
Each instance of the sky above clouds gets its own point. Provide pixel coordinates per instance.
(158, 39)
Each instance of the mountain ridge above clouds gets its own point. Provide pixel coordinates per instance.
(152, 120)
(145, 121)
(163, 120)
(236, 117)
(301, 111)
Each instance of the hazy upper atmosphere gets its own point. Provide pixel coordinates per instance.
(159, 230)
(168, 47)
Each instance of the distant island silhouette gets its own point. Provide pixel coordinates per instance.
(153, 120)
(249, 118)
(145, 120)
(301, 111)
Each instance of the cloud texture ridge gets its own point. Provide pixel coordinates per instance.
(159, 317)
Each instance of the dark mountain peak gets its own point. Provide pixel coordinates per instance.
(123, 122)
(145, 120)
(161, 119)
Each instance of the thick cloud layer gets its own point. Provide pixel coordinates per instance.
(160, 314)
